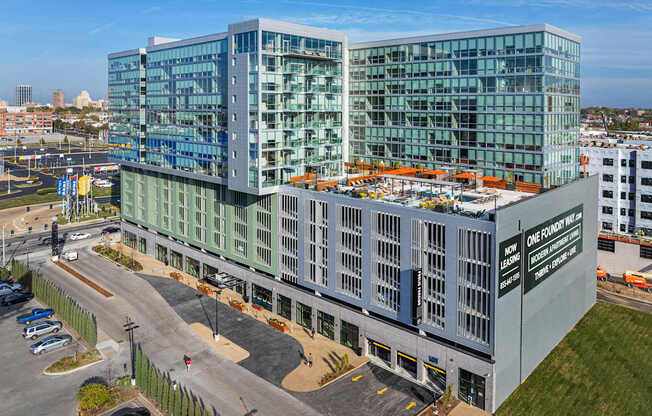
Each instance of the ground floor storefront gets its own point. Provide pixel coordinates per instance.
(411, 355)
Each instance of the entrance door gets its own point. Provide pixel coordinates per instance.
(471, 389)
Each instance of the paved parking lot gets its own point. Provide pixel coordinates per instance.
(371, 391)
(23, 387)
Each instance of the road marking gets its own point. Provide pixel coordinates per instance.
(356, 378)
(410, 406)
(381, 391)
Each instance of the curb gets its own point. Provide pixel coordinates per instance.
(609, 292)
(341, 376)
(63, 373)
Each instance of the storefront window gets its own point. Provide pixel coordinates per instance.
(326, 325)
(176, 260)
(378, 350)
(284, 307)
(261, 296)
(161, 253)
(304, 315)
(471, 388)
(192, 267)
(142, 245)
(129, 239)
(349, 335)
(407, 363)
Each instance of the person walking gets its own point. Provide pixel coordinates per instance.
(188, 362)
(313, 333)
(310, 360)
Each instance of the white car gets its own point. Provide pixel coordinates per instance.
(69, 255)
(79, 236)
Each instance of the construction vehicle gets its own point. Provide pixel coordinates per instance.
(584, 160)
(601, 274)
(638, 279)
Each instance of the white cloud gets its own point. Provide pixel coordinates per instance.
(101, 28)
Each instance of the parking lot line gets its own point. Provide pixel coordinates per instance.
(381, 391)
(410, 406)
(356, 378)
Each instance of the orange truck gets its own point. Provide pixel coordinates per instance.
(638, 279)
(602, 274)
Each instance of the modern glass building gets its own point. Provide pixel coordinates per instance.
(233, 148)
(503, 101)
(23, 95)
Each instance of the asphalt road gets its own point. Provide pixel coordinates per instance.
(273, 355)
(166, 338)
(605, 296)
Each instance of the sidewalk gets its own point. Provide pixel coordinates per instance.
(325, 352)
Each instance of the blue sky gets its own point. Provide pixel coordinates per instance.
(64, 44)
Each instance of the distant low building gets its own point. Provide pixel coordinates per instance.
(4, 104)
(16, 121)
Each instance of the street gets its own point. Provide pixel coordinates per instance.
(166, 338)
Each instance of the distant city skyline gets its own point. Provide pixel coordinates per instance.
(615, 35)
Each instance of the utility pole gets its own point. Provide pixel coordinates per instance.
(8, 181)
(216, 335)
(129, 327)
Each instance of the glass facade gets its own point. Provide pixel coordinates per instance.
(300, 108)
(126, 106)
(186, 108)
(506, 105)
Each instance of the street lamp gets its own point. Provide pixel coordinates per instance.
(129, 327)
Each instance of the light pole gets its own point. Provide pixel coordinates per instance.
(129, 327)
(216, 335)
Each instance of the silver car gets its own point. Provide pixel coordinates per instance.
(36, 329)
(50, 343)
(7, 288)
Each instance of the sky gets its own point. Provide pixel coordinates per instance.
(64, 44)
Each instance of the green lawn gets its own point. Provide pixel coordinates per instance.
(20, 201)
(602, 367)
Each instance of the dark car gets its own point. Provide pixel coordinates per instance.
(111, 230)
(16, 297)
(48, 240)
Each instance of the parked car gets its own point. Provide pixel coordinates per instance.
(37, 329)
(79, 236)
(69, 255)
(36, 313)
(48, 240)
(7, 288)
(16, 297)
(110, 230)
(50, 343)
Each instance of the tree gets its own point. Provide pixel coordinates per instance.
(191, 406)
(177, 401)
(65, 139)
(152, 385)
(198, 408)
(184, 404)
(138, 367)
(171, 397)
(159, 389)
(165, 395)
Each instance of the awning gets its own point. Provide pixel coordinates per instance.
(432, 367)
(464, 175)
(406, 356)
(381, 346)
(489, 178)
(434, 173)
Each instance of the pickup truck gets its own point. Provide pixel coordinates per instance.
(35, 314)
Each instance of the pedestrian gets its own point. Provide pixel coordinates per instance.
(313, 333)
(188, 362)
(310, 360)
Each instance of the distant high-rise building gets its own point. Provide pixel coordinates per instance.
(82, 100)
(58, 99)
(23, 94)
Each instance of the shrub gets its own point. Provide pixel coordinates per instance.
(93, 396)
(45, 191)
(448, 394)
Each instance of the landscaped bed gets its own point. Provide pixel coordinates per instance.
(118, 257)
(602, 367)
(69, 363)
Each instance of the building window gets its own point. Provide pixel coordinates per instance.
(606, 244)
(386, 260)
(623, 179)
(646, 181)
(623, 228)
(471, 388)
(607, 226)
(284, 306)
(142, 245)
(646, 252)
(607, 194)
(233, 97)
(162, 254)
(349, 251)
(233, 79)
(304, 315)
(261, 297)
(349, 335)
(607, 210)
(646, 164)
(632, 180)
(607, 178)
(623, 211)
(623, 163)
(646, 215)
(607, 162)
(646, 198)
(623, 195)
(383, 352)
(192, 267)
(407, 363)
(326, 325)
(176, 260)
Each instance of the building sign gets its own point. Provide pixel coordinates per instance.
(417, 296)
(509, 265)
(432, 359)
(550, 245)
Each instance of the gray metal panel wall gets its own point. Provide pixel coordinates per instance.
(552, 308)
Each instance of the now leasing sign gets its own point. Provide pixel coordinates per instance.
(509, 265)
(550, 245)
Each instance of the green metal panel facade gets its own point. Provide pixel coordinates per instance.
(239, 226)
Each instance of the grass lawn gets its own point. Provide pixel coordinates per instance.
(20, 201)
(602, 367)
(69, 363)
